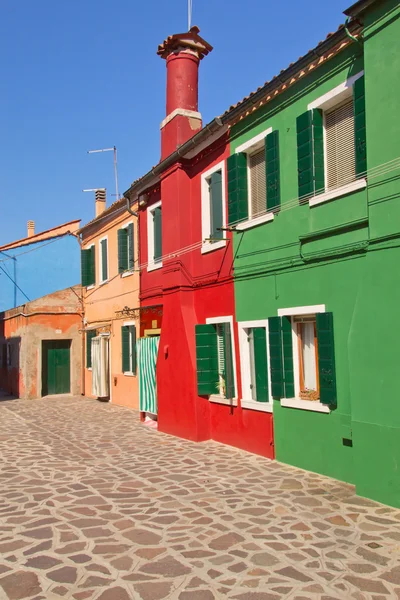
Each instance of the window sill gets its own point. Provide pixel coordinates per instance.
(127, 273)
(210, 247)
(154, 266)
(254, 222)
(89, 368)
(260, 406)
(305, 405)
(359, 184)
(91, 287)
(129, 374)
(104, 282)
(218, 400)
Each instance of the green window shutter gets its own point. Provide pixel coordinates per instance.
(92, 265)
(288, 372)
(89, 335)
(104, 261)
(206, 360)
(157, 234)
(228, 358)
(275, 356)
(131, 246)
(360, 139)
(122, 250)
(238, 209)
(216, 220)
(310, 153)
(272, 171)
(133, 342)
(326, 359)
(85, 267)
(261, 363)
(126, 367)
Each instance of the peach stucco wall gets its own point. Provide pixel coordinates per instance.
(102, 302)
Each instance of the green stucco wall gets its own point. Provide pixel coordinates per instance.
(352, 270)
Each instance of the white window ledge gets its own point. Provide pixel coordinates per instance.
(127, 273)
(89, 368)
(211, 246)
(218, 400)
(305, 405)
(260, 406)
(104, 282)
(359, 184)
(153, 266)
(254, 222)
(91, 287)
(129, 374)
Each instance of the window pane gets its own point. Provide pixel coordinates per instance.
(253, 382)
(215, 191)
(308, 355)
(258, 188)
(339, 131)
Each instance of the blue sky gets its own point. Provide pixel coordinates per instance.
(84, 74)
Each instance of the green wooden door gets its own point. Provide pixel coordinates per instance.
(56, 367)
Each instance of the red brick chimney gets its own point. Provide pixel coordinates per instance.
(183, 53)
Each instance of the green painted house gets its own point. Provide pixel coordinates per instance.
(314, 200)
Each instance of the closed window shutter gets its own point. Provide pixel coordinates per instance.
(228, 360)
(104, 262)
(84, 267)
(258, 185)
(275, 356)
(92, 266)
(310, 154)
(157, 234)
(216, 214)
(131, 246)
(206, 360)
(360, 138)
(122, 250)
(126, 367)
(133, 348)
(273, 171)
(287, 345)
(89, 336)
(340, 154)
(237, 188)
(326, 359)
(260, 363)
(4, 356)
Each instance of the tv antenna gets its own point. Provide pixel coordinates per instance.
(189, 14)
(113, 149)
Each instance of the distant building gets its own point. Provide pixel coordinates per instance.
(39, 264)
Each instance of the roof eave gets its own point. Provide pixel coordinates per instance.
(356, 9)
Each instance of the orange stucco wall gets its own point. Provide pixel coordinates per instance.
(103, 301)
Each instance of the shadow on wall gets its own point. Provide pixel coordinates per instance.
(9, 365)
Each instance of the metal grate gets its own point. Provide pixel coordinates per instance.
(340, 154)
(258, 187)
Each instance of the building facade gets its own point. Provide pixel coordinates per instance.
(39, 264)
(110, 282)
(314, 198)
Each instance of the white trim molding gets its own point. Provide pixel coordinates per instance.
(100, 262)
(183, 112)
(336, 95)
(208, 246)
(151, 265)
(215, 397)
(254, 222)
(245, 367)
(301, 310)
(358, 184)
(254, 142)
(305, 405)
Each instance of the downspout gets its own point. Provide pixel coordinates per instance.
(128, 208)
(349, 35)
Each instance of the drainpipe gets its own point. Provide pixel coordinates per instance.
(128, 208)
(354, 39)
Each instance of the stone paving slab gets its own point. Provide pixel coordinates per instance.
(96, 506)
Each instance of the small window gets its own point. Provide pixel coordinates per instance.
(128, 334)
(214, 353)
(213, 208)
(103, 267)
(254, 363)
(339, 144)
(88, 269)
(257, 181)
(307, 347)
(89, 336)
(126, 248)
(154, 235)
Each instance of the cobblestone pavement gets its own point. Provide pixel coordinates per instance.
(96, 506)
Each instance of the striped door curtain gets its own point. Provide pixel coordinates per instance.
(147, 359)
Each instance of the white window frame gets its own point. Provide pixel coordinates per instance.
(298, 402)
(333, 98)
(151, 265)
(100, 262)
(129, 324)
(214, 397)
(208, 246)
(129, 271)
(249, 147)
(245, 367)
(93, 285)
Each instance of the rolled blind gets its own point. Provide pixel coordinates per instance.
(339, 128)
(258, 187)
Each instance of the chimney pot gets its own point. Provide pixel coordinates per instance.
(31, 228)
(100, 202)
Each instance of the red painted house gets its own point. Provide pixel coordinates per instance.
(187, 294)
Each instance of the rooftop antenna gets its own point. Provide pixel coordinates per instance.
(113, 149)
(189, 14)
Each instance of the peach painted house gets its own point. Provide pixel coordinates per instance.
(110, 283)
